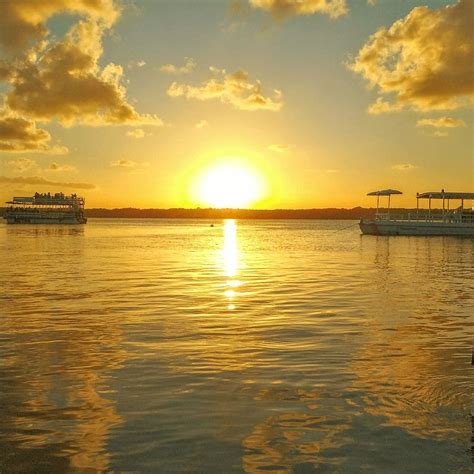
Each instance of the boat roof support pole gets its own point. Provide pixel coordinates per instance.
(388, 206)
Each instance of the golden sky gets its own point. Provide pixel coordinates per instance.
(240, 103)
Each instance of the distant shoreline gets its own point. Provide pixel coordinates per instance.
(199, 213)
(211, 213)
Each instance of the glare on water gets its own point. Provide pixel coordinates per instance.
(289, 346)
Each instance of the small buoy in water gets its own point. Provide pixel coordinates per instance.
(212, 225)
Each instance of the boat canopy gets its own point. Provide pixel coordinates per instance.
(384, 192)
(445, 195)
(43, 199)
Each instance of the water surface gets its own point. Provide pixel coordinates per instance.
(248, 346)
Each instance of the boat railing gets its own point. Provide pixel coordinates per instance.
(454, 216)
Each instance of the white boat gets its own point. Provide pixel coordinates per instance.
(46, 208)
(445, 221)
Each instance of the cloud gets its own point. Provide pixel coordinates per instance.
(60, 168)
(404, 167)
(280, 148)
(137, 133)
(5, 70)
(18, 134)
(283, 8)
(23, 21)
(21, 165)
(234, 89)
(123, 164)
(423, 61)
(189, 66)
(66, 82)
(441, 122)
(136, 64)
(381, 106)
(39, 181)
(238, 12)
(202, 124)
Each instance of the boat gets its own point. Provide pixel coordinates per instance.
(457, 221)
(46, 208)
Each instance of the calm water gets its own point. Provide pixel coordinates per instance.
(283, 346)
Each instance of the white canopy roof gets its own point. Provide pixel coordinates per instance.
(384, 192)
(445, 195)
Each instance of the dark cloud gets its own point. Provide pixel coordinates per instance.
(18, 134)
(66, 83)
(23, 21)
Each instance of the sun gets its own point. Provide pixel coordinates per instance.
(229, 185)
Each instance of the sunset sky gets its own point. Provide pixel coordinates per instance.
(259, 103)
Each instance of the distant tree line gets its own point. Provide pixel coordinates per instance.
(198, 213)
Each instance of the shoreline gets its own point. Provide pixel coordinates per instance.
(212, 213)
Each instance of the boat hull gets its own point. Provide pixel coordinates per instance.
(23, 218)
(387, 227)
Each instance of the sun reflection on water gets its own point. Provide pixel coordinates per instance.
(230, 253)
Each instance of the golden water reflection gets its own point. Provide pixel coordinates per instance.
(342, 350)
(59, 391)
(231, 262)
